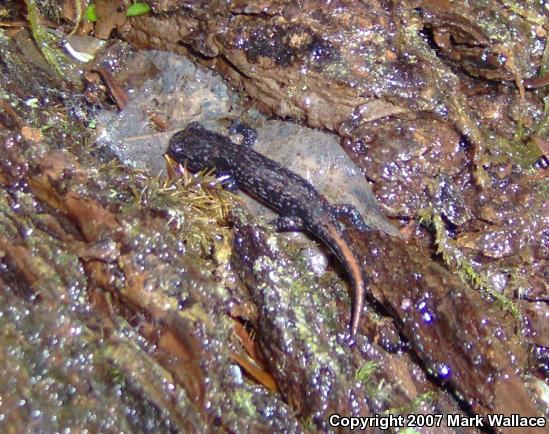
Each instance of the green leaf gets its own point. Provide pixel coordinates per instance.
(90, 13)
(137, 9)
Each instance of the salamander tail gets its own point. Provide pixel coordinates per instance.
(358, 305)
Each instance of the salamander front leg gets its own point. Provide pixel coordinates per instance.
(249, 134)
(227, 180)
(349, 211)
(288, 224)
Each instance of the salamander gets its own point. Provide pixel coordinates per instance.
(300, 206)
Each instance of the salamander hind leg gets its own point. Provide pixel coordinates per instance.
(349, 211)
(288, 224)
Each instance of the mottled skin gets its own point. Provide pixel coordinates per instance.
(299, 204)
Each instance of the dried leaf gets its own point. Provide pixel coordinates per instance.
(109, 14)
(32, 134)
(262, 377)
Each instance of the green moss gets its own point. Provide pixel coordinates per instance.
(197, 206)
(526, 10)
(409, 431)
(414, 406)
(366, 371)
(453, 257)
(45, 40)
(243, 399)
(78, 11)
(309, 425)
(542, 129)
(521, 150)
(375, 388)
(524, 154)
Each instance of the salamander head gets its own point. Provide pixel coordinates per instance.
(194, 147)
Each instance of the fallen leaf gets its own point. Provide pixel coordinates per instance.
(110, 14)
(259, 375)
(32, 134)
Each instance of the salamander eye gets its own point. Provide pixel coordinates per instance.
(182, 158)
(177, 148)
(176, 153)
